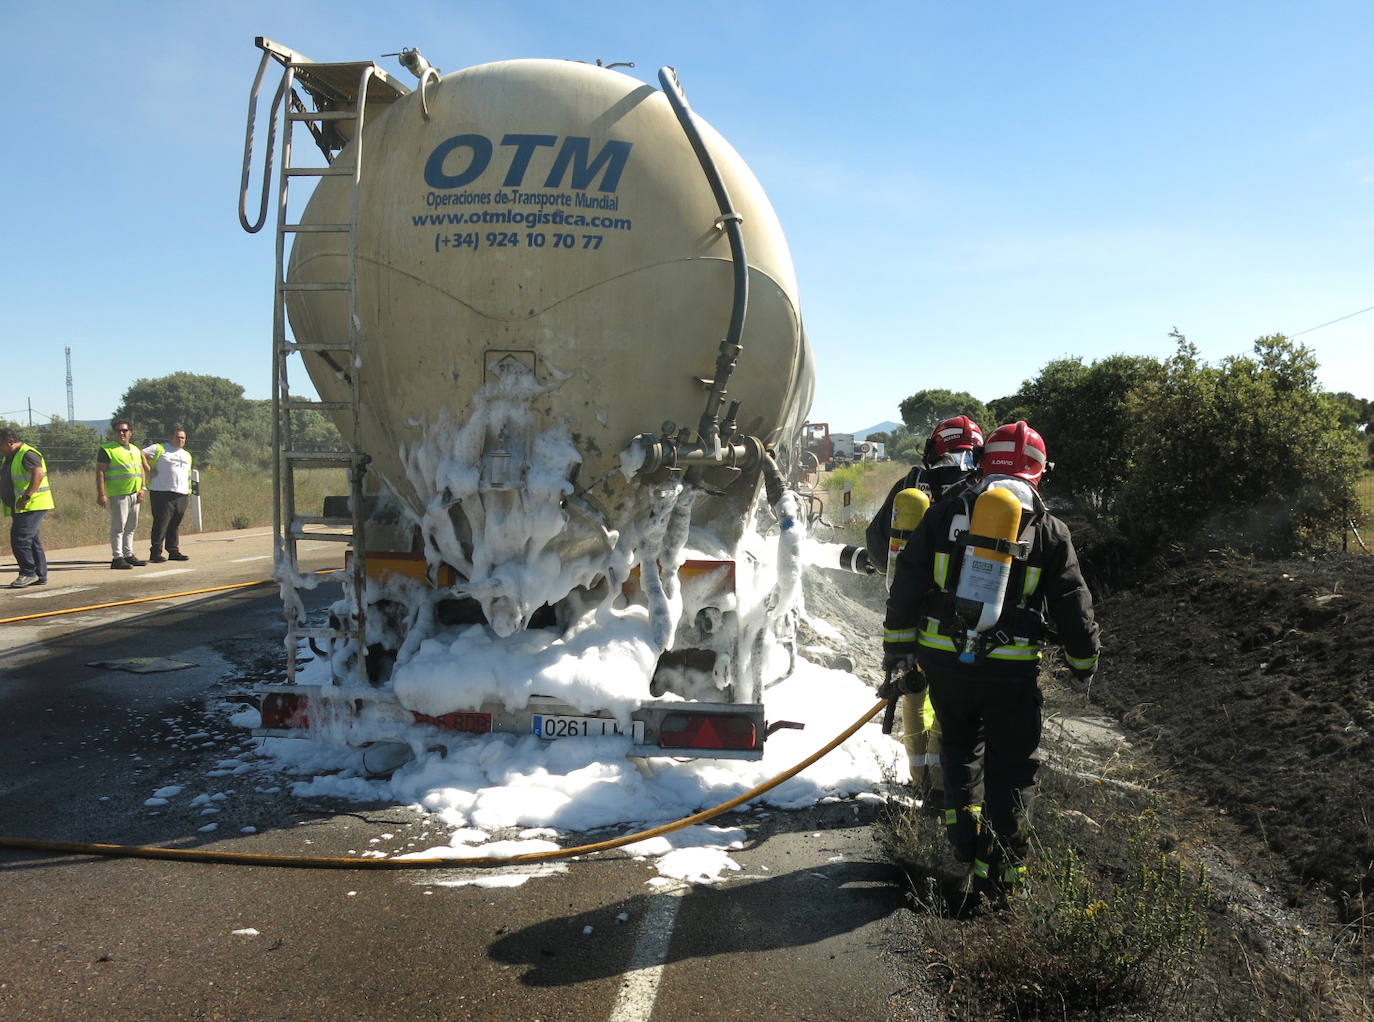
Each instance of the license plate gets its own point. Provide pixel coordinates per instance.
(549, 728)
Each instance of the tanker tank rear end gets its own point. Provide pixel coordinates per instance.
(544, 279)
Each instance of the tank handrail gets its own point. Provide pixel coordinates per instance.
(248, 149)
(425, 77)
(729, 220)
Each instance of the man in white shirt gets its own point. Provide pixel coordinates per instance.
(170, 487)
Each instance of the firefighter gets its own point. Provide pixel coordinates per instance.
(950, 459)
(981, 659)
(948, 463)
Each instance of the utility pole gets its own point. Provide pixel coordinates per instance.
(71, 406)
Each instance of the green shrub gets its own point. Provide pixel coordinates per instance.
(1248, 454)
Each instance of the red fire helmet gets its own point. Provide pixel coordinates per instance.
(959, 433)
(1015, 450)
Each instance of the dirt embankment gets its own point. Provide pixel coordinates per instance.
(1253, 683)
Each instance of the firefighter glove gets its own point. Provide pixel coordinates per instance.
(898, 661)
(902, 675)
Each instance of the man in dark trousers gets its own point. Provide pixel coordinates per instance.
(984, 683)
(169, 486)
(26, 495)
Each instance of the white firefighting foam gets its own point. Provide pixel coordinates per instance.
(602, 656)
(506, 483)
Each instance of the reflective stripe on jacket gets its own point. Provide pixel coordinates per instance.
(1046, 599)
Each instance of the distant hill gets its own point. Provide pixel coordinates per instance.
(882, 427)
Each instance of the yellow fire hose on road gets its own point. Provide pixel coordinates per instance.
(139, 599)
(320, 862)
(152, 599)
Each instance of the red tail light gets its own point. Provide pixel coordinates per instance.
(707, 731)
(472, 723)
(285, 710)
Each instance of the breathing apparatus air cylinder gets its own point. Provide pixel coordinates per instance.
(986, 565)
(909, 506)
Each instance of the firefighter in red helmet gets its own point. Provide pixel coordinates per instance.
(981, 660)
(948, 463)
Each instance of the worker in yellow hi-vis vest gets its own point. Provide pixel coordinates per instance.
(25, 497)
(121, 473)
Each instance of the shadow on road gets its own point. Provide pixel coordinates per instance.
(800, 908)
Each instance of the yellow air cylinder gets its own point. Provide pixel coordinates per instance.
(983, 575)
(908, 508)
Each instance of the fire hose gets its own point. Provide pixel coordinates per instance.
(323, 862)
(138, 599)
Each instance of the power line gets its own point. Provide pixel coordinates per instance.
(29, 412)
(1338, 319)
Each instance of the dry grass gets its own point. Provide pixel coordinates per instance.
(231, 499)
(1363, 539)
(1119, 920)
(831, 521)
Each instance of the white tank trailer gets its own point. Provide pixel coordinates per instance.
(574, 333)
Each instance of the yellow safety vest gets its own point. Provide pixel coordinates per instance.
(124, 473)
(39, 499)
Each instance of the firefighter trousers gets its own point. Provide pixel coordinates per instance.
(921, 734)
(990, 733)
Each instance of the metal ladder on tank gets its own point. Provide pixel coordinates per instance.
(341, 94)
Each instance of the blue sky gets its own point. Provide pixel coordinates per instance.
(969, 190)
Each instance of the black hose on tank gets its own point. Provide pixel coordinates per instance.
(730, 347)
(773, 482)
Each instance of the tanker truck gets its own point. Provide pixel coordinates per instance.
(555, 320)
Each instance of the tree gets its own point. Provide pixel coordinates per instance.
(1354, 411)
(922, 410)
(1002, 410)
(1357, 412)
(1091, 462)
(247, 443)
(900, 445)
(155, 407)
(1248, 454)
(67, 446)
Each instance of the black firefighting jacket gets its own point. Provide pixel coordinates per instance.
(1046, 598)
(935, 482)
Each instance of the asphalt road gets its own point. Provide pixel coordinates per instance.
(85, 743)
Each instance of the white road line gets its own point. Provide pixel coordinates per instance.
(44, 593)
(255, 557)
(639, 990)
(145, 575)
